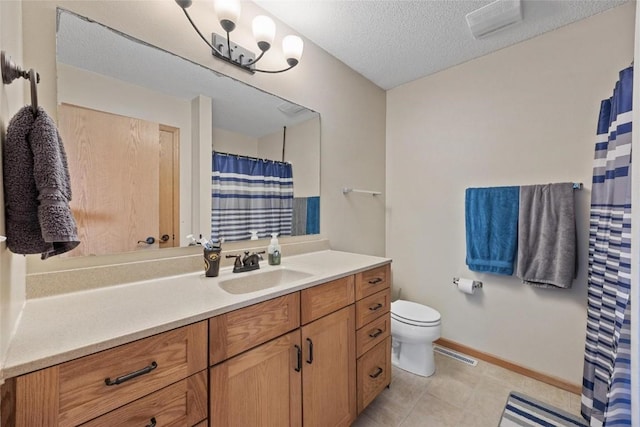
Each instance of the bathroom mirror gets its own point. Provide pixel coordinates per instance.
(115, 91)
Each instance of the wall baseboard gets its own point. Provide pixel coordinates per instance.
(548, 379)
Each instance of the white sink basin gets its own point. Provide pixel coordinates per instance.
(259, 280)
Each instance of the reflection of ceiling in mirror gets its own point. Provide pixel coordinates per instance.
(91, 46)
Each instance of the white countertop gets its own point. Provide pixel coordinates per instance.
(56, 329)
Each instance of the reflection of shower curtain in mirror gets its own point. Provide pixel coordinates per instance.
(250, 194)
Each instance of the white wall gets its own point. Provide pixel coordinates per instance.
(92, 90)
(301, 150)
(12, 98)
(234, 142)
(523, 115)
(352, 108)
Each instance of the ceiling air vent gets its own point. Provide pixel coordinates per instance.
(290, 109)
(494, 17)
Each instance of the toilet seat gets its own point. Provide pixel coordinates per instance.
(414, 314)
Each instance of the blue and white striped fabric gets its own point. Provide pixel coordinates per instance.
(523, 411)
(606, 384)
(250, 194)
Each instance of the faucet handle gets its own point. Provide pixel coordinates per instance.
(237, 262)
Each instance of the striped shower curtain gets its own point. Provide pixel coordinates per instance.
(606, 383)
(248, 195)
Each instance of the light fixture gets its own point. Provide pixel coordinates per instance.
(264, 30)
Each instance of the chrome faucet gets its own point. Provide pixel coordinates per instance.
(246, 263)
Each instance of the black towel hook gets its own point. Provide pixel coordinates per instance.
(11, 71)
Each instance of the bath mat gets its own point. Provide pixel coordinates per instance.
(521, 410)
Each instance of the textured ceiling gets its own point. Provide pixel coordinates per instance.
(396, 41)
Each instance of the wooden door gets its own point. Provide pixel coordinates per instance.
(169, 187)
(260, 387)
(329, 370)
(114, 167)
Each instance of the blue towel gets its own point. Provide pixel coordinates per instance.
(313, 215)
(491, 220)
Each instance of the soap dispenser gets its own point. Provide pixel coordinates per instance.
(274, 250)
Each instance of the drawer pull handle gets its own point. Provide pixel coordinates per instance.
(310, 359)
(298, 367)
(375, 307)
(375, 281)
(376, 333)
(152, 423)
(377, 373)
(132, 375)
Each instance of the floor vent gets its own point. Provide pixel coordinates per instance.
(455, 355)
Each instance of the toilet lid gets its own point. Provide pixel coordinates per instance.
(414, 313)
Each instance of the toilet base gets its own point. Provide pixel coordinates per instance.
(415, 358)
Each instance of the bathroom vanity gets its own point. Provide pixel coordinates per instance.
(305, 343)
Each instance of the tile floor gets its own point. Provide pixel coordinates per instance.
(457, 395)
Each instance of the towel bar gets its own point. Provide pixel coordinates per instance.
(11, 71)
(346, 190)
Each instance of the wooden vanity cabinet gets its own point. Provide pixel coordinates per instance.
(315, 357)
(162, 369)
(305, 377)
(256, 374)
(373, 342)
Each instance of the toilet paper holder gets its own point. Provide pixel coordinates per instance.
(476, 283)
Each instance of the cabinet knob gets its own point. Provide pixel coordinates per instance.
(298, 367)
(375, 333)
(375, 307)
(132, 375)
(310, 358)
(377, 373)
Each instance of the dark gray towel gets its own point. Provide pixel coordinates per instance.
(547, 235)
(37, 190)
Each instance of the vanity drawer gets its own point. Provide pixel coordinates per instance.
(234, 332)
(372, 307)
(181, 404)
(373, 373)
(324, 299)
(371, 281)
(372, 333)
(134, 370)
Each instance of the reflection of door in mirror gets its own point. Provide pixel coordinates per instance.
(169, 182)
(123, 178)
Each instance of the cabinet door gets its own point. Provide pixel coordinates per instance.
(329, 371)
(260, 387)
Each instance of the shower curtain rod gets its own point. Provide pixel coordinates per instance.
(241, 156)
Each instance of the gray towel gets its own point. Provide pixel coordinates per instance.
(37, 190)
(547, 235)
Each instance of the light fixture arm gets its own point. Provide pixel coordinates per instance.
(249, 66)
(274, 72)
(204, 39)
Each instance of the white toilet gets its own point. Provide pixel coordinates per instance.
(414, 328)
